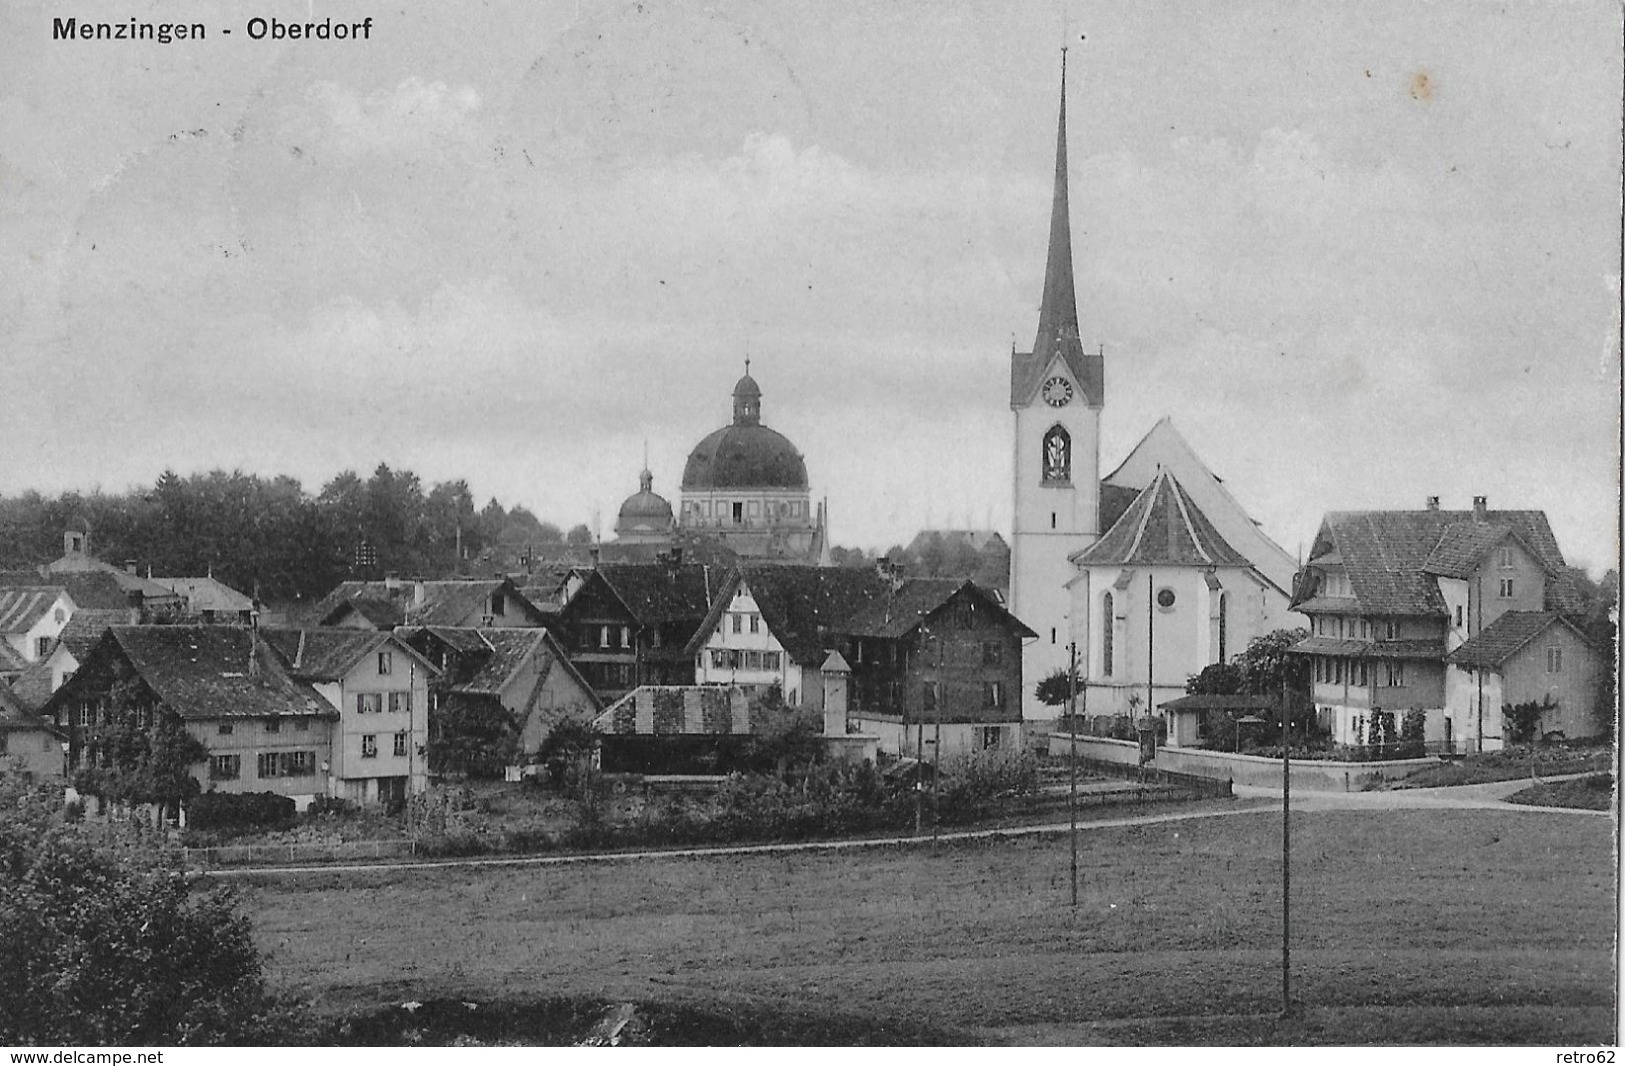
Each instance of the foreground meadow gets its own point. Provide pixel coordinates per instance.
(1409, 927)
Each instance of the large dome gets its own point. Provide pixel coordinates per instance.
(644, 510)
(744, 457)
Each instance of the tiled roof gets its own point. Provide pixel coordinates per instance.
(207, 594)
(21, 607)
(660, 592)
(33, 687)
(1502, 638)
(978, 540)
(505, 652)
(86, 627)
(1386, 554)
(16, 717)
(1162, 527)
(94, 589)
(1424, 648)
(445, 603)
(203, 672)
(323, 654)
(800, 604)
(681, 710)
(898, 613)
(1114, 500)
(11, 660)
(1330, 646)
(1329, 605)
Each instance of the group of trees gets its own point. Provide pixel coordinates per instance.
(270, 535)
(933, 555)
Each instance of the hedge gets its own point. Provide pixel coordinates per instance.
(220, 810)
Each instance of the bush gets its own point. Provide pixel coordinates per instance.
(106, 944)
(224, 810)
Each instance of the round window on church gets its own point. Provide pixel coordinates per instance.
(1165, 599)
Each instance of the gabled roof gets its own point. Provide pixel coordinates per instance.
(1504, 637)
(444, 603)
(33, 687)
(94, 589)
(800, 605)
(22, 607)
(15, 716)
(1387, 554)
(207, 594)
(202, 672)
(487, 662)
(11, 661)
(978, 540)
(661, 592)
(903, 610)
(1162, 527)
(86, 627)
(328, 654)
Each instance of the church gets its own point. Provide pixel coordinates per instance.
(1153, 572)
(744, 488)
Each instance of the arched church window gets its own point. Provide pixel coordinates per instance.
(1057, 454)
(1108, 623)
(1223, 626)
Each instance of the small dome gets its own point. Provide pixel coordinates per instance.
(747, 388)
(644, 509)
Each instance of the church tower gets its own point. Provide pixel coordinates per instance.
(1056, 392)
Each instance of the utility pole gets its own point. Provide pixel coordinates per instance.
(936, 745)
(1286, 851)
(1072, 789)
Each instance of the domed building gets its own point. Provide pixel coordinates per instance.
(645, 517)
(746, 485)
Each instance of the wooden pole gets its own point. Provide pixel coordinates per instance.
(936, 745)
(1072, 794)
(1286, 852)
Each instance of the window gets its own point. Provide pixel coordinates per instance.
(1396, 674)
(992, 653)
(738, 622)
(369, 702)
(42, 647)
(603, 636)
(719, 658)
(273, 725)
(1166, 599)
(400, 702)
(1108, 626)
(301, 725)
(1057, 457)
(386, 661)
(1052, 519)
(1224, 620)
(993, 694)
(225, 729)
(1391, 628)
(1364, 677)
(739, 512)
(1506, 588)
(400, 743)
(991, 735)
(208, 617)
(928, 696)
(1554, 660)
(753, 660)
(626, 636)
(369, 746)
(1337, 671)
(755, 623)
(499, 603)
(1458, 616)
(225, 767)
(268, 765)
(770, 660)
(1504, 558)
(1365, 629)
(1052, 634)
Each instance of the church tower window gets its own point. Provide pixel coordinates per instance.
(1107, 634)
(1057, 455)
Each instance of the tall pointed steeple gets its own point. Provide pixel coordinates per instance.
(1058, 314)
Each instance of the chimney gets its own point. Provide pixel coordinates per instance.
(592, 556)
(419, 593)
(1433, 503)
(392, 581)
(129, 566)
(1481, 506)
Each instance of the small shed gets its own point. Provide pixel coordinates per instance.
(1191, 719)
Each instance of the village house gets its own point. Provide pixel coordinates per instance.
(494, 603)
(930, 655)
(264, 730)
(523, 671)
(31, 618)
(153, 599)
(630, 624)
(30, 748)
(1392, 596)
(772, 626)
(1525, 657)
(378, 685)
(209, 600)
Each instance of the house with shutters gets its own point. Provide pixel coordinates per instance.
(523, 671)
(1392, 597)
(378, 688)
(31, 619)
(495, 603)
(774, 626)
(263, 729)
(932, 656)
(630, 624)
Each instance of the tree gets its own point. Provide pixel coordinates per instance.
(141, 753)
(1265, 663)
(106, 943)
(1216, 679)
(579, 535)
(1055, 689)
(474, 736)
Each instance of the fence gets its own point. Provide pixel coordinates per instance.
(267, 854)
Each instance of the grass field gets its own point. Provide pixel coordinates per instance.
(1594, 793)
(1410, 927)
(1512, 763)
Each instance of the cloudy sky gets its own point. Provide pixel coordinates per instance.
(1361, 254)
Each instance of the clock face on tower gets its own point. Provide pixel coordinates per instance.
(1057, 392)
